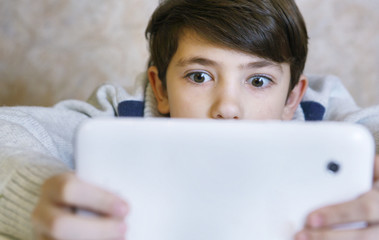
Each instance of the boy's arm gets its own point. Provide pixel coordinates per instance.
(21, 175)
(368, 117)
(332, 102)
(35, 144)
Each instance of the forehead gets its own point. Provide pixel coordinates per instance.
(189, 40)
(195, 49)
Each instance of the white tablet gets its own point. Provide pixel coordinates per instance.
(224, 180)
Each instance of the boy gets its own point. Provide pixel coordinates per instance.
(217, 59)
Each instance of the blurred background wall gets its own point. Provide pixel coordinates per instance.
(58, 49)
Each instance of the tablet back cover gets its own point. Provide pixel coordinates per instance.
(224, 180)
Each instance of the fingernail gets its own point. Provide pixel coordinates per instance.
(302, 236)
(315, 221)
(120, 209)
(122, 228)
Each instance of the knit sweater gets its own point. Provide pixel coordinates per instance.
(37, 142)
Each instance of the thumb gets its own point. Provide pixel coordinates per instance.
(376, 168)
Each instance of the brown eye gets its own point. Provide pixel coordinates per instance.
(259, 81)
(199, 77)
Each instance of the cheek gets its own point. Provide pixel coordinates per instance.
(264, 112)
(186, 103)
(269, 106)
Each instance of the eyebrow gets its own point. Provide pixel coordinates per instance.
(207, 62)
(262, 64)
(196, 60)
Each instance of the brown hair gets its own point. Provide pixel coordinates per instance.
(271, 29)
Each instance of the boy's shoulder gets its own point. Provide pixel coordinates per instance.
(325, 99)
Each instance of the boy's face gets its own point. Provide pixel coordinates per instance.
(210, 81)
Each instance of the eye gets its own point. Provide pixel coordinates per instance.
(199, 77)
(259, 81)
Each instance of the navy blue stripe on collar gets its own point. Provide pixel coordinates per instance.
(313, 111)
(131, 108)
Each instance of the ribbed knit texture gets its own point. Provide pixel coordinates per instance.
(21, 191)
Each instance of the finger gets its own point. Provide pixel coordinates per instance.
(45, 238)
(376, 168)
(363, 209)
(42, 237)
(56, 223)
(69, 190)
(70, 227)
(370, 233)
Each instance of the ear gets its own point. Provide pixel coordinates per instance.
(159, 90)
(294, 98)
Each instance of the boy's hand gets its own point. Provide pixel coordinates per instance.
(363, 209)
(54, 217)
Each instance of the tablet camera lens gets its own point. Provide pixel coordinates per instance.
(333, 167)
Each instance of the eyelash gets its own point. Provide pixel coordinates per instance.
(260, 76)
(188, 77)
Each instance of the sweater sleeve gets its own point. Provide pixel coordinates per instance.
(35, 144)
(338, 104)
(368, 117)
